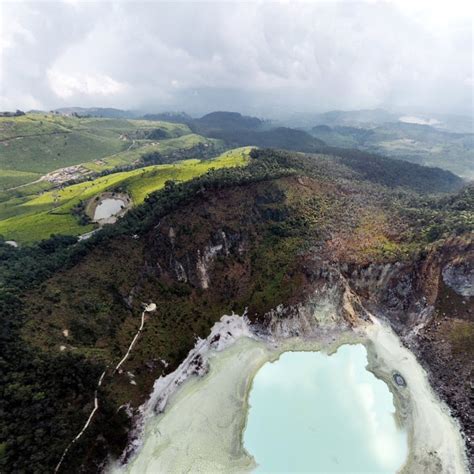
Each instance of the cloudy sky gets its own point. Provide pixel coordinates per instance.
(258, 57)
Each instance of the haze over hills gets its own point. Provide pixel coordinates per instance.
(96, 112)
(371, 118)
(417, 143)
(367, 118)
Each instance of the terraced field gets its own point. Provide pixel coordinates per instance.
(29, 217)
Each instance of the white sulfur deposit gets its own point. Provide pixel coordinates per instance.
(195, 418)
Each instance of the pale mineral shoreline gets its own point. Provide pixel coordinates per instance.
(184, 426)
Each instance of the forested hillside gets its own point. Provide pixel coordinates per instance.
(70, 308)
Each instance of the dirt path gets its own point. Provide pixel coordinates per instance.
(148, 309)
(88, 422)
(26, 184)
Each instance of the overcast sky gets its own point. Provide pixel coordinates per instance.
(255, 57)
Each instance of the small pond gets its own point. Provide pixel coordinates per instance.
(107, 208)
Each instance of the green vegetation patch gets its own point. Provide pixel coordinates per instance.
(50, 213)
(45, 153)
(41, 143)
(462, 337)
(141, 148)
(11, 178)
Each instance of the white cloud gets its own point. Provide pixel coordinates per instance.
(249, 56)
(67, 86)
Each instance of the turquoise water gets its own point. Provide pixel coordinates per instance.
(310, 412)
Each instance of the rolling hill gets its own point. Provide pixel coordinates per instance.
(35, 144)
(240, 130)
(36, 216)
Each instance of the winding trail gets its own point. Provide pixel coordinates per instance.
(148, 308)
(88, 422)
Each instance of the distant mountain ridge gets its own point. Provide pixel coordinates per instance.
(174, 117)
(96, 112)
(355, 117)
(241, 130)
(229, 120)
(418, 143)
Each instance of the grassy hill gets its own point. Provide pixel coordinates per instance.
(226, 121)
(96, 112)
(36, 143)
(238, 130)
(170, 149)
(283, 138)
(38, 215)
(35, 211)
(12, 178)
